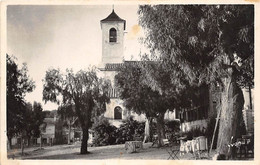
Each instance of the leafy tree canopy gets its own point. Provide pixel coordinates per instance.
(84, 89)
(196, 42)
(34, 118)
(18, 83)
(137, 95)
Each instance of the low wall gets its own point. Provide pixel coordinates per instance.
(187, 126)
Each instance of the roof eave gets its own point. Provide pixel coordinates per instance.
(103, 21)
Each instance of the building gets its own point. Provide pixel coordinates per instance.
(48, 133)
(113, 28)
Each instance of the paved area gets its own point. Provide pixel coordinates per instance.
(104, 152)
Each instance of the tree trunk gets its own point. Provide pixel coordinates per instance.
(9, 143)
(151, 130)
(41, 141)
(29, 141)
(84, 144)
(69, 132)
(250, 98)
(22, 145)
(232, 102)
(147, 129)
(160, 129)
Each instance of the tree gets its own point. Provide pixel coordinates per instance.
(18, 84)
(198, 44)
(84, 89)
(34, 118)
(68, 115)
(140, 98)
(38, 118)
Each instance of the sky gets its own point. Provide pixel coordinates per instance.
(64, 37)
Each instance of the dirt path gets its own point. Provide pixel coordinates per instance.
(104, 152)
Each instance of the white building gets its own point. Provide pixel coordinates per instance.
(113, 28)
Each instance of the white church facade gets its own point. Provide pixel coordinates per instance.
(113, 30)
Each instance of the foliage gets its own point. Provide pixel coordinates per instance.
(140, 97)
(59, 125)
(128, 130)
(137, 96)
(172, 126)
(66, 111)
(68, 115)
(104, 133)
(34, 118)
(18, 83)
(216, 45)
(199, 52)
(84, 89)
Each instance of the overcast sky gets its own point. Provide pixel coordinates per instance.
(64, 37)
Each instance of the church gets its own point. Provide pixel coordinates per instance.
(113, 29)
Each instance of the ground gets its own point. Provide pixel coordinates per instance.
(104, 152)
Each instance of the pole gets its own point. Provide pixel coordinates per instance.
(216, 125)
(250, 98)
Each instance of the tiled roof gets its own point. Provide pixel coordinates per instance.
(113, 66)
(113, 17)
(117, 66)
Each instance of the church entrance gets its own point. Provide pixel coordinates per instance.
(118, 113)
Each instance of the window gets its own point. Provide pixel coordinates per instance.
(112, 35)
(118, 113)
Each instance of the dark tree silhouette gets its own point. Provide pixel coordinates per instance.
(84, 89)
(197, 44)
(18, 84)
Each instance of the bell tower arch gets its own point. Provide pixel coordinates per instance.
(112, 38)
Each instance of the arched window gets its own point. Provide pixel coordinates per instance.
(112, 35)
(118, 112)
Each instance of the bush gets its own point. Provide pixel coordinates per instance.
(171, 128)
(104, 133)
(128, 130)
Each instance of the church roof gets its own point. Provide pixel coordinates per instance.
(113, 17)
(113, 66)
(117, 66)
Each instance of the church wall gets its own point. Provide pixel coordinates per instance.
(187, 126)
(111, 106)
(110, 75)
(112, 52)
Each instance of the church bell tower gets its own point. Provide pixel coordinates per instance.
(112, 38)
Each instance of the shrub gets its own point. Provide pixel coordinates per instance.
(104, 133)
(171, 128)
(128, 130)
